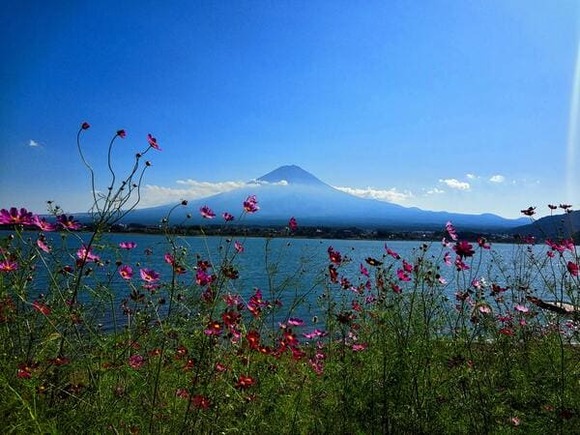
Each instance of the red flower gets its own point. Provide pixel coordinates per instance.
(334, 256)
(245, 382)
(464, 249)
(136, 361)
(292, 224)
(153, 142)
(41, 308)
(572, 268)
(200, 402)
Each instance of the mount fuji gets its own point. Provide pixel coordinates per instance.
(291, 191)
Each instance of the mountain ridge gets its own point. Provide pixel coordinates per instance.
(292, 191)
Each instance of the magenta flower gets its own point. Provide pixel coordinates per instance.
(202, 278)
(392, 253)
(464, 249)
(364, 271)
(292, 224)
(295, 322)
(238, 247)
(521, 308)
(334, 256)
(153, 142)
(41, 243)
(8, 266)
(149, 275)
(126, 272)
(16, 217)
(251, 204)
(67, 222)
(482, 242)
(136, 361)
(206, 212)
(85, 254)
(358, 347)
(127, 245)
(228, 217)
(402, 275)
(451, 231)
(572, 268)
(42, 224)
(447, 259)
(121, 134)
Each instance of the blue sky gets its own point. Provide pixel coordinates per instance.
(466, 106)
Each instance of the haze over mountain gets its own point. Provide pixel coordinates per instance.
(291, 191)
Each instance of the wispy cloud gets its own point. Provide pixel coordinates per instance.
(497, 178)
(453, 183)
(390, 195)
(33, 143)
(435, 191)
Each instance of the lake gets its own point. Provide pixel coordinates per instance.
(291, 268)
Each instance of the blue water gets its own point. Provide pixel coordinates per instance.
(285, 269)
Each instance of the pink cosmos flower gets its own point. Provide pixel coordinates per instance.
(482, 242)
(402, 275)
(228, 217)
(85, 254)
(202, 278)
(85, 126)
(293, 321)
(251, 204)
(292, 224)
(451, 231)
(358, 347)
(126, 272)
(149, 275)
(41, 243)
(447, 259)
(572, 268)
(42, 224)
(392, 253)
(206, 212)
(238, 247)
(8, 266)
(363, 270)
(521, 308)
(127, 245)
(16, 217)
(67, 222)
(153, 142)
(121, 133)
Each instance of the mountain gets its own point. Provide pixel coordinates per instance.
(553, 227)
(292, 191)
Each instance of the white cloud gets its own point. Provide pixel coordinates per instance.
(152, 195)
(33, 143)
(471, 176)
(455, 184)
(435, 191)
(389, 195)
(497, 179)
